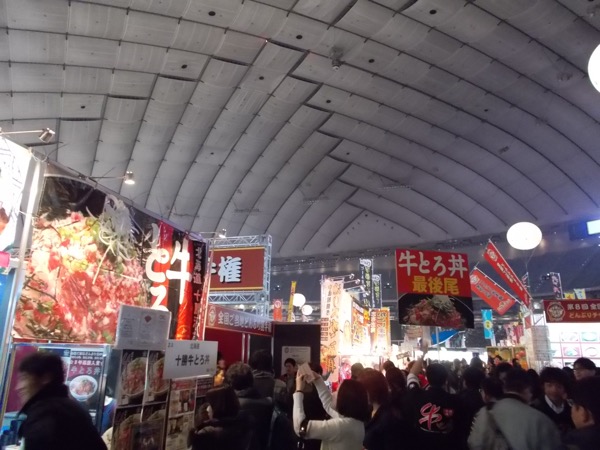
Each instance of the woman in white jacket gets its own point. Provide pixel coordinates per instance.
(346, 428)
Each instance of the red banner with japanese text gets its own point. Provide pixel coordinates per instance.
(572, 311)
(434, 289)
(490, 292)
(493, 256)
(237, 269)
(222, 318)
(200, 281)
(278, 310)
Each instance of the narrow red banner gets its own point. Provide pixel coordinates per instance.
(572, 311)
(499, 264)
(490, 292)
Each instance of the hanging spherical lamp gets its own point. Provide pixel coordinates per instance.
(299, 300)
(307, 310)
(524, 236)
(594, 68)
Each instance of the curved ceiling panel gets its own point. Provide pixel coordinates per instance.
(334, 126)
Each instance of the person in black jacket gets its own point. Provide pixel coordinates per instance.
(434, 415)
(553, 403)
(54, 421)
(386, 428)
(256, 409)
(225, 428)
(470, 396)
(586, 415)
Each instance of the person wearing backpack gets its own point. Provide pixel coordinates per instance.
(511, 423)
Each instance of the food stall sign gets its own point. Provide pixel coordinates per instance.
(490, 292)
(237, 269)
(188, 359)
(572, 311)
(493, 256)
(222, 318)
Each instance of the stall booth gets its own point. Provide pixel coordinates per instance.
(85, 254)
(238, 333)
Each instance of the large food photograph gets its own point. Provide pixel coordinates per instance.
(436, 310)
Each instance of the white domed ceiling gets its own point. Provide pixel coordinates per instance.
(445, 119)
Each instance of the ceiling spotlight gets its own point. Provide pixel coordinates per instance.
(46, 135)
(222, 234)
(128, 178)
(336, 58)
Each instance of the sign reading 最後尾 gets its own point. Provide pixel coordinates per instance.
(237, 269)
(574, 311)
(187, 359)
(222, 318)
(434, 289)
(491, 293)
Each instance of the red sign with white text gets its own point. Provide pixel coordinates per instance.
(572, 311)
(500, 300)
(237, 269)
(278, 310)
(222, 318)
(499, 264)
(429, 272)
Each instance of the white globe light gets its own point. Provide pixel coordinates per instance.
(524, 236)
(594, 68)
(299, 300)
(307, 310)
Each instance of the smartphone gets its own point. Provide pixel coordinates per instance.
(305, 370)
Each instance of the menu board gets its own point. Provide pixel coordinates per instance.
(571, 341)
(182, 407)
(141, 413)
(142, 328)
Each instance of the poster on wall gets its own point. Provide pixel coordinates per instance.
(434, 289)
(182, 407)
(14, 164)
(299, 354)
(90, 253)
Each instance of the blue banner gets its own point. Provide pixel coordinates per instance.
(444, 336)
(488, 323)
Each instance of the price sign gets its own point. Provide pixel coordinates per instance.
(188, 359)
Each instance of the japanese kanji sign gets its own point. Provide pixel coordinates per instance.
(500, 300)
(428, 272)
(377, 292)
(366, 278)
(188, 359)
(434, 288)
(222, 318)
(499, 264)
(237, 269)
(574, 311)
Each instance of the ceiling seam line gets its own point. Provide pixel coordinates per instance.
(386, 218)
(335, 238)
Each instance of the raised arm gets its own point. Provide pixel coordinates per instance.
(326, 397)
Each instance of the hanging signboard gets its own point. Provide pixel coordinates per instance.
(14, 164)
(366, 278)
(377, 292)
(434, 289)
(91, 253)
(490, 292)
(487, 318)
(573, 311)
(222, 318)
(499, 264)
(380, 331)
(237, 269)
(142, 328)
(278, 310)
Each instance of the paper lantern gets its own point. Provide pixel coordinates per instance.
(524, 236)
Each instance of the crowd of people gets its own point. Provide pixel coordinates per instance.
(429, 406)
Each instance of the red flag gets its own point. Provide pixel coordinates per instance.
(500, 265)
(500, 300)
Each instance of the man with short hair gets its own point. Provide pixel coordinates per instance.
(520, 425)
(54, 421)
(289, 377)
(584, 368)
(256, 410)
(555, 384)
(585, 412)
(265, 383)
(470, 396)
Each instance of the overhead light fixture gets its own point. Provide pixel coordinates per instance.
(524, 236)
(594, 68)
(45, 134)
(298, 300)
(307, 310)
(128, 178)
(222, 234)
